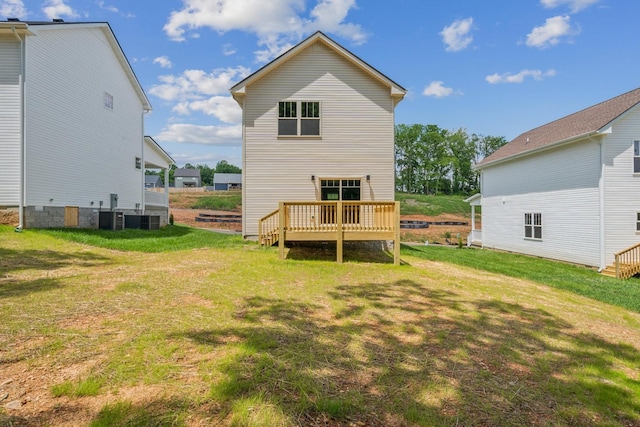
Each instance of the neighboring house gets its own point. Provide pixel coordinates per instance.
(71, 125)
(318, 124)
(185, 178)
(227, 181)
(568, 190)
(152, 181)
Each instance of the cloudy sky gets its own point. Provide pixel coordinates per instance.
(497, 67)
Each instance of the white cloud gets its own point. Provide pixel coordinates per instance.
(574, 5)
(228, 49)
(57, 8)
(195, 84)
(551, 32)
(224, 108)
(278, 24)
(201, 92)
(520, 77)
(13, 9)
(101, 5)
(163, 61)
(437, 89)
(457, 35)
(206, 135)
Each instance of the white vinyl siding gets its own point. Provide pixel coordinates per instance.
(78, 151)
(10, 122)
(357, 137)
(622, 185)
(563, 184)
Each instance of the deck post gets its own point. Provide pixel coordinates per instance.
(281, 230)
(339, 232)
(396, 241)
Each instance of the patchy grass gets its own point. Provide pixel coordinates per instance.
(221, 201)
(419, 204)
(230, 335)
(171, 238)
(577, 279)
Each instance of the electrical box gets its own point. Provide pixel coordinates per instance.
(114, 201)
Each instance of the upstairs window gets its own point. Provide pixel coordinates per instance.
(107, 101)
(636, 156)
(299, 118)
(533, 226)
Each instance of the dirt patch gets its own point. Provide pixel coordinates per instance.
(188, 217)
(434, 234)
(437, 233)
(9, 218)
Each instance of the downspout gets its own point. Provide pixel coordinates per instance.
(23, 175)
(601, 191)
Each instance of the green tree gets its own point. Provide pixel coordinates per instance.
(224, 167)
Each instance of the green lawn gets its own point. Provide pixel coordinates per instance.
(183, 327)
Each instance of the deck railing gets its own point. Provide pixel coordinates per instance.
(332, 221)
(628, 262)
(268, 228)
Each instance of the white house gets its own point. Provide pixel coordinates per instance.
(71, 126)
(227, 181)
(568, 190)
(318, 124)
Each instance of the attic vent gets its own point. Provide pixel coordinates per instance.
(58, 20)
(13, 19)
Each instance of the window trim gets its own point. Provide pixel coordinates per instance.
(107, 101)
(637, 222)
(138, 163)
(341, 187)
(636, 156)
(299, 119)
(531, 225)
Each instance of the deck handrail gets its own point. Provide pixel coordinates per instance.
(628, 262)
(332, 221)
(268, 228)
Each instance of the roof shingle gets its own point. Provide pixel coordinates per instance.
(584, 122)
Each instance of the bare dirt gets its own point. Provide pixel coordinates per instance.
(9, 218)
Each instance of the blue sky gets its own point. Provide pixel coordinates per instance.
(496, 67)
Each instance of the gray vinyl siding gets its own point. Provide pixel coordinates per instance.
(10, 122)
(79, 151)
(563, 185)
(622, 195)
(357, 128)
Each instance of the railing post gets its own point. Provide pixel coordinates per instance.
(396, 228)
(617, 266)
(339, 232)
(281, 229)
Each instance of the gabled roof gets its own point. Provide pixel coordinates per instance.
(396, 91)
(592, 121)
(22, 27)
(187, 173)
(227, 178)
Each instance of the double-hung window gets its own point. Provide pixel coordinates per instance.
(299, 118)
(636, 156)
(533, 226)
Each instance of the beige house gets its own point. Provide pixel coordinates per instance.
(318, 125)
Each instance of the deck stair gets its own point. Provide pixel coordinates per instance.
(626, 265)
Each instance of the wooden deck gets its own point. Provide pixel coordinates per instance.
(332, 221)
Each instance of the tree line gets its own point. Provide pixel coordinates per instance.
(206, 172)
(432, 160)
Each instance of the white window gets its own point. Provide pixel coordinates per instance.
(299, 118)
(533, 226)
(636, 156)
(107, 100)
(638, 222)
(138, 163)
